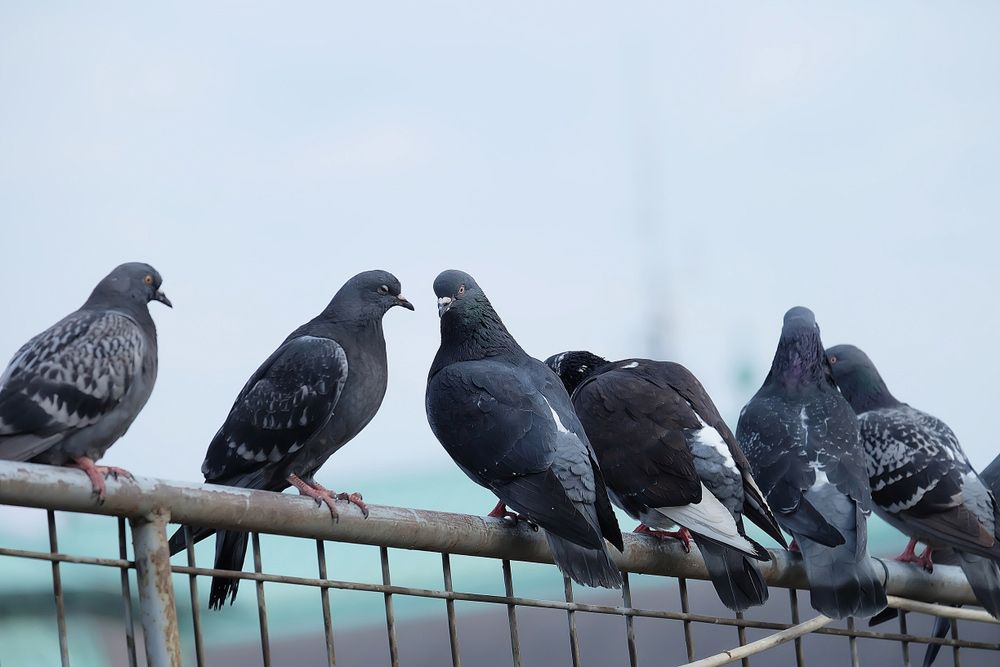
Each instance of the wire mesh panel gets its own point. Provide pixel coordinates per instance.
(409, 587)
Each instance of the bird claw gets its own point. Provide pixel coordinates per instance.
(684, 535)
(501, 512)
(356, 499)
(909, 555)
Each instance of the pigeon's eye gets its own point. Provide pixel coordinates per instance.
(383, 289)
(833, 360)
(148, 279)
(461, 289)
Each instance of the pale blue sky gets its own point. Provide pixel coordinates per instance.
(841, 157)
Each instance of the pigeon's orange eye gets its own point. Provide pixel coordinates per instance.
(148, 279)
(461, 289)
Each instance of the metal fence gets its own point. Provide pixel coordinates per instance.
(148, 505)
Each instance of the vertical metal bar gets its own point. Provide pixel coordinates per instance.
(156, 589)
(633, 654)
(515, 643)
(456, 660)
(324, 593)
(741, 632)
(574, 643)
(58, 592)
(126, 597)
(682, 586)
(853, 641)
(199, 647)
(793, 601)
(265, 639)
(905, 644)
(390, 616)
(954, 635)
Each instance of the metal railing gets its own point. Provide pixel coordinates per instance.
(148, 505)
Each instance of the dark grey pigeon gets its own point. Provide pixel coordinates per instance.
(801, 438)
(669, 458)
(306, 401)
(508, 423)
(922, 482)
(71, 391)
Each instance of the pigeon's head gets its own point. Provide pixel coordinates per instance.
(858, 379)
(574, 367)
(371, 294)
(455, 290)
(800, 354)
(132, 282)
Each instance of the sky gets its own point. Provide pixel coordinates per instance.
(664, 179)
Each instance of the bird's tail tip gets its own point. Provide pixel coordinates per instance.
(735, 575)
(588, 567)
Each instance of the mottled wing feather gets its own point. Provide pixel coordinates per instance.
(290, 397)
(70, 375)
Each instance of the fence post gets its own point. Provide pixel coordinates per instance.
(156, 590)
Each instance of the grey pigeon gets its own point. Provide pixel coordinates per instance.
(922, 482)
(669, 458)
(73, 390)
(801, 438)
(508, 423)
(317, 391)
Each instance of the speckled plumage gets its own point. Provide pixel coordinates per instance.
(74, 389)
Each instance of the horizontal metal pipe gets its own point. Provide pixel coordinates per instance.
(67, 489)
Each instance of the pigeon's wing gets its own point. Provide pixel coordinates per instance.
(506, 436)
(286, 401)
(920, 474)
(780, 465)
(991, 477)
(638, 433)
(67, 378)
(683, 381)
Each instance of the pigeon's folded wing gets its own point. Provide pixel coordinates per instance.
(290, 397)
(67, 378)
(502, 432)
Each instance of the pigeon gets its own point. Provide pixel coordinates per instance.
(922, 482)
(506, 420)
(73, 390)
(801, 438)
(669, 458)
(317, 391)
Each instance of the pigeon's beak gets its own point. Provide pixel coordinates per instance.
(162, 298)
(444, 303)
(401, 301)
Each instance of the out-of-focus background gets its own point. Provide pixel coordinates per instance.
(661, 179)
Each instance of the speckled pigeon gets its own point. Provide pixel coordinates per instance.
(306, 401)
(71, 391)
(801, 438)
(922, 482)
(507, 421)
(669, 458)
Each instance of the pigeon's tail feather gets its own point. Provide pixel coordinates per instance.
(984, 578)
(942, 626)
(590, 567)
(178, 541)
(734, 575)
(842, 581)
(230, 551)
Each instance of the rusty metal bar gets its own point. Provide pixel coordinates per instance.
(265, 637)
(324, 594)
(741, 632)
(127, 596)
(156, 590)
(682, 588)
(853, 643)
(633, 653)
(230, 508)
(57, 592)
(508, 586)
(955, 647)
(456, 660)
(390, 615)
(574, 642)
(199, 647)
(904, 644)
(793, 601)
